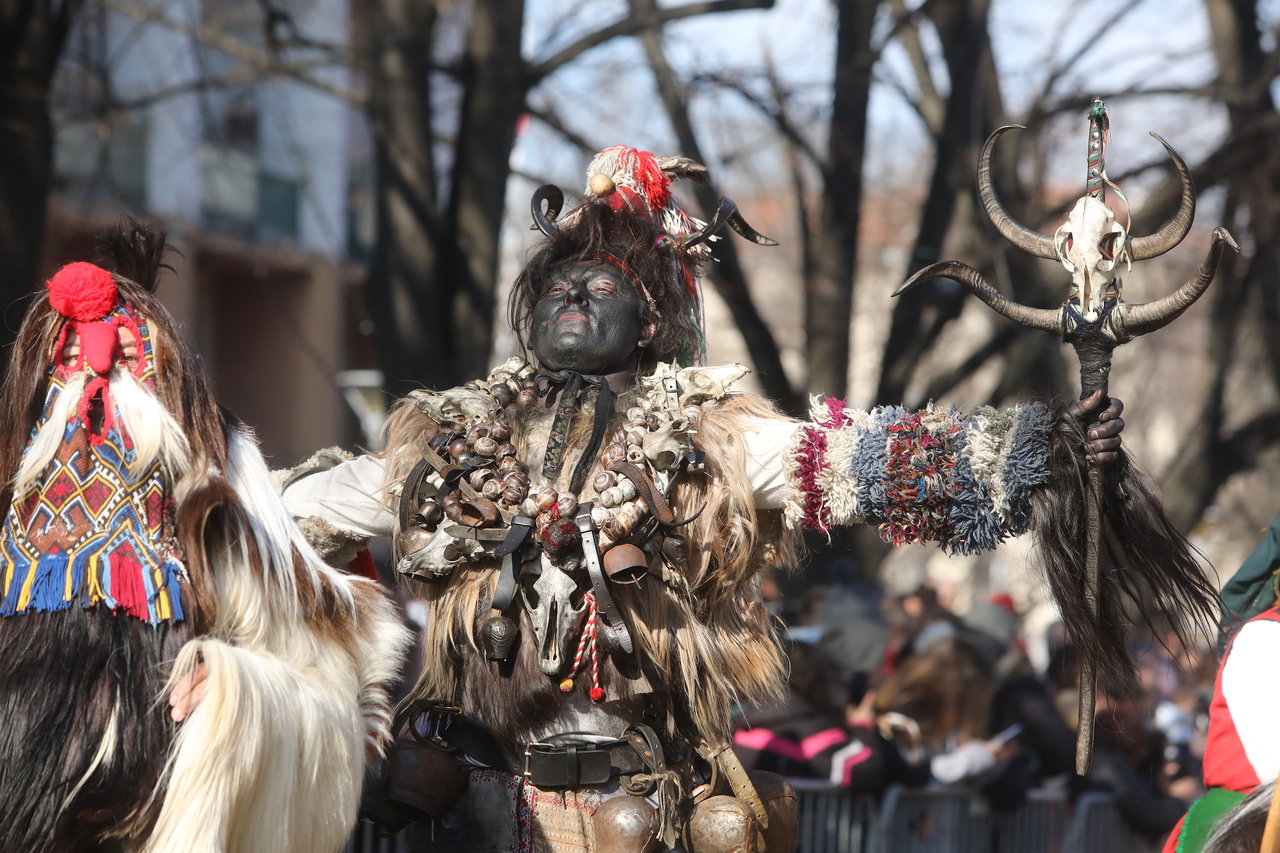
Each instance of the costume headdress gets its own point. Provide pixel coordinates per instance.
(626, 180)
(91, 520)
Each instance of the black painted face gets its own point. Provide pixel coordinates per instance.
(588, 320)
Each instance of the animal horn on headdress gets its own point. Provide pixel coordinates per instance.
(546, 221)
(1045, 319)
(727, 214)
(1149, 316)
(1171, 235)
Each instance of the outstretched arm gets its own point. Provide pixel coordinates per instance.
(962, 480)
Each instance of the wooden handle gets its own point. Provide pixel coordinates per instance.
(1271, 833)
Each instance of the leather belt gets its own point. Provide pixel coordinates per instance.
(573, 765)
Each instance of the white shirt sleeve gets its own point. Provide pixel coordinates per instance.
(966, 760)
(350, 497)
(1252, 693)
(767, 441)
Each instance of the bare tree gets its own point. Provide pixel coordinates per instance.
(1249, 291)
(32, 35)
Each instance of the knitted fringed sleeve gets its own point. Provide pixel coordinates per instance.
(962, 480)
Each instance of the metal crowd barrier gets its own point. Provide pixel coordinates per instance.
(1098, 827)
(919, 821)
(957, 821)
(830, 821)
(1037, 826)
(931, 821)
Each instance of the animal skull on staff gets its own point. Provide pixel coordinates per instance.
(1095, 319)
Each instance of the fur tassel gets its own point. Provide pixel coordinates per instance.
(134, 251)
(271, 759)
(83, 736)
(1153, 571)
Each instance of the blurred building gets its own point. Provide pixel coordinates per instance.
(175, 111)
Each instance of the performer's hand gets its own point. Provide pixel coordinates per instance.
(188, 693)
(1103, 444)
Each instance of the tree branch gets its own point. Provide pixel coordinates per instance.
(553, 121)
(636, 23)
(263, 61)
(930, 104)
(1056, 73)
(774, 112)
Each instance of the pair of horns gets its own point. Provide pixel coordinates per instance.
(1136, 319)
(544, 219)
(1035, 243)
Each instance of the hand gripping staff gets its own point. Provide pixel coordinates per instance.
(1094, 320)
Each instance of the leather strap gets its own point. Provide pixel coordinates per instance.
(545, 765)
(509, 551)
(724, 756)
(591, 554)
(519, 531)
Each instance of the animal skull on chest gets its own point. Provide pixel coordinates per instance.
(549, 599)
(1089, 245)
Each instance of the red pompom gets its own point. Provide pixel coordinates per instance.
(597, 693)
(560, 535)
(82, 292)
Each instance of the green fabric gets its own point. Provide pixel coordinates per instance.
(1252, 589)
(1203, 816)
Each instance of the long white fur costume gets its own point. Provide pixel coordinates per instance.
(273, 757)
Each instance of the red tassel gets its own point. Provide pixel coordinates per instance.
(363, 566)
(654, 182)
(127, 587)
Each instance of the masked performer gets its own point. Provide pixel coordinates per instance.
(586, 530)
(145, 548)
(1242, 753)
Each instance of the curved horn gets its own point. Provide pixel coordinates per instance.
(727, 214)
(1044, 319)
(1171, 235)
(546, 222)
(1149, 316)
(1016, 233)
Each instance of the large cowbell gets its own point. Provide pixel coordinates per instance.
(550, 601)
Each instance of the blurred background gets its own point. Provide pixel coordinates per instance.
(347, 182)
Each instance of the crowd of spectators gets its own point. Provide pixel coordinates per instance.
(889, 690)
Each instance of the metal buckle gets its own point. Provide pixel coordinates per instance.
(528, 751)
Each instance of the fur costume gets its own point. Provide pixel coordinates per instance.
(590, 565)
(145, 541)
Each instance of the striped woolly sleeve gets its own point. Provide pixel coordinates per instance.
(964, 481)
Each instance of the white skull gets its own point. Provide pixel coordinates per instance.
(556, 619)
(1089, 244)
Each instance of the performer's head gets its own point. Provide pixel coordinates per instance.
(107, 425)
(614, 287)
(98, 352)
(598, 296)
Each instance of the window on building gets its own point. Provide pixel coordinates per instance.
(277, 208)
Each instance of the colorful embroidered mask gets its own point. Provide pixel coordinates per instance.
(95, 525)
